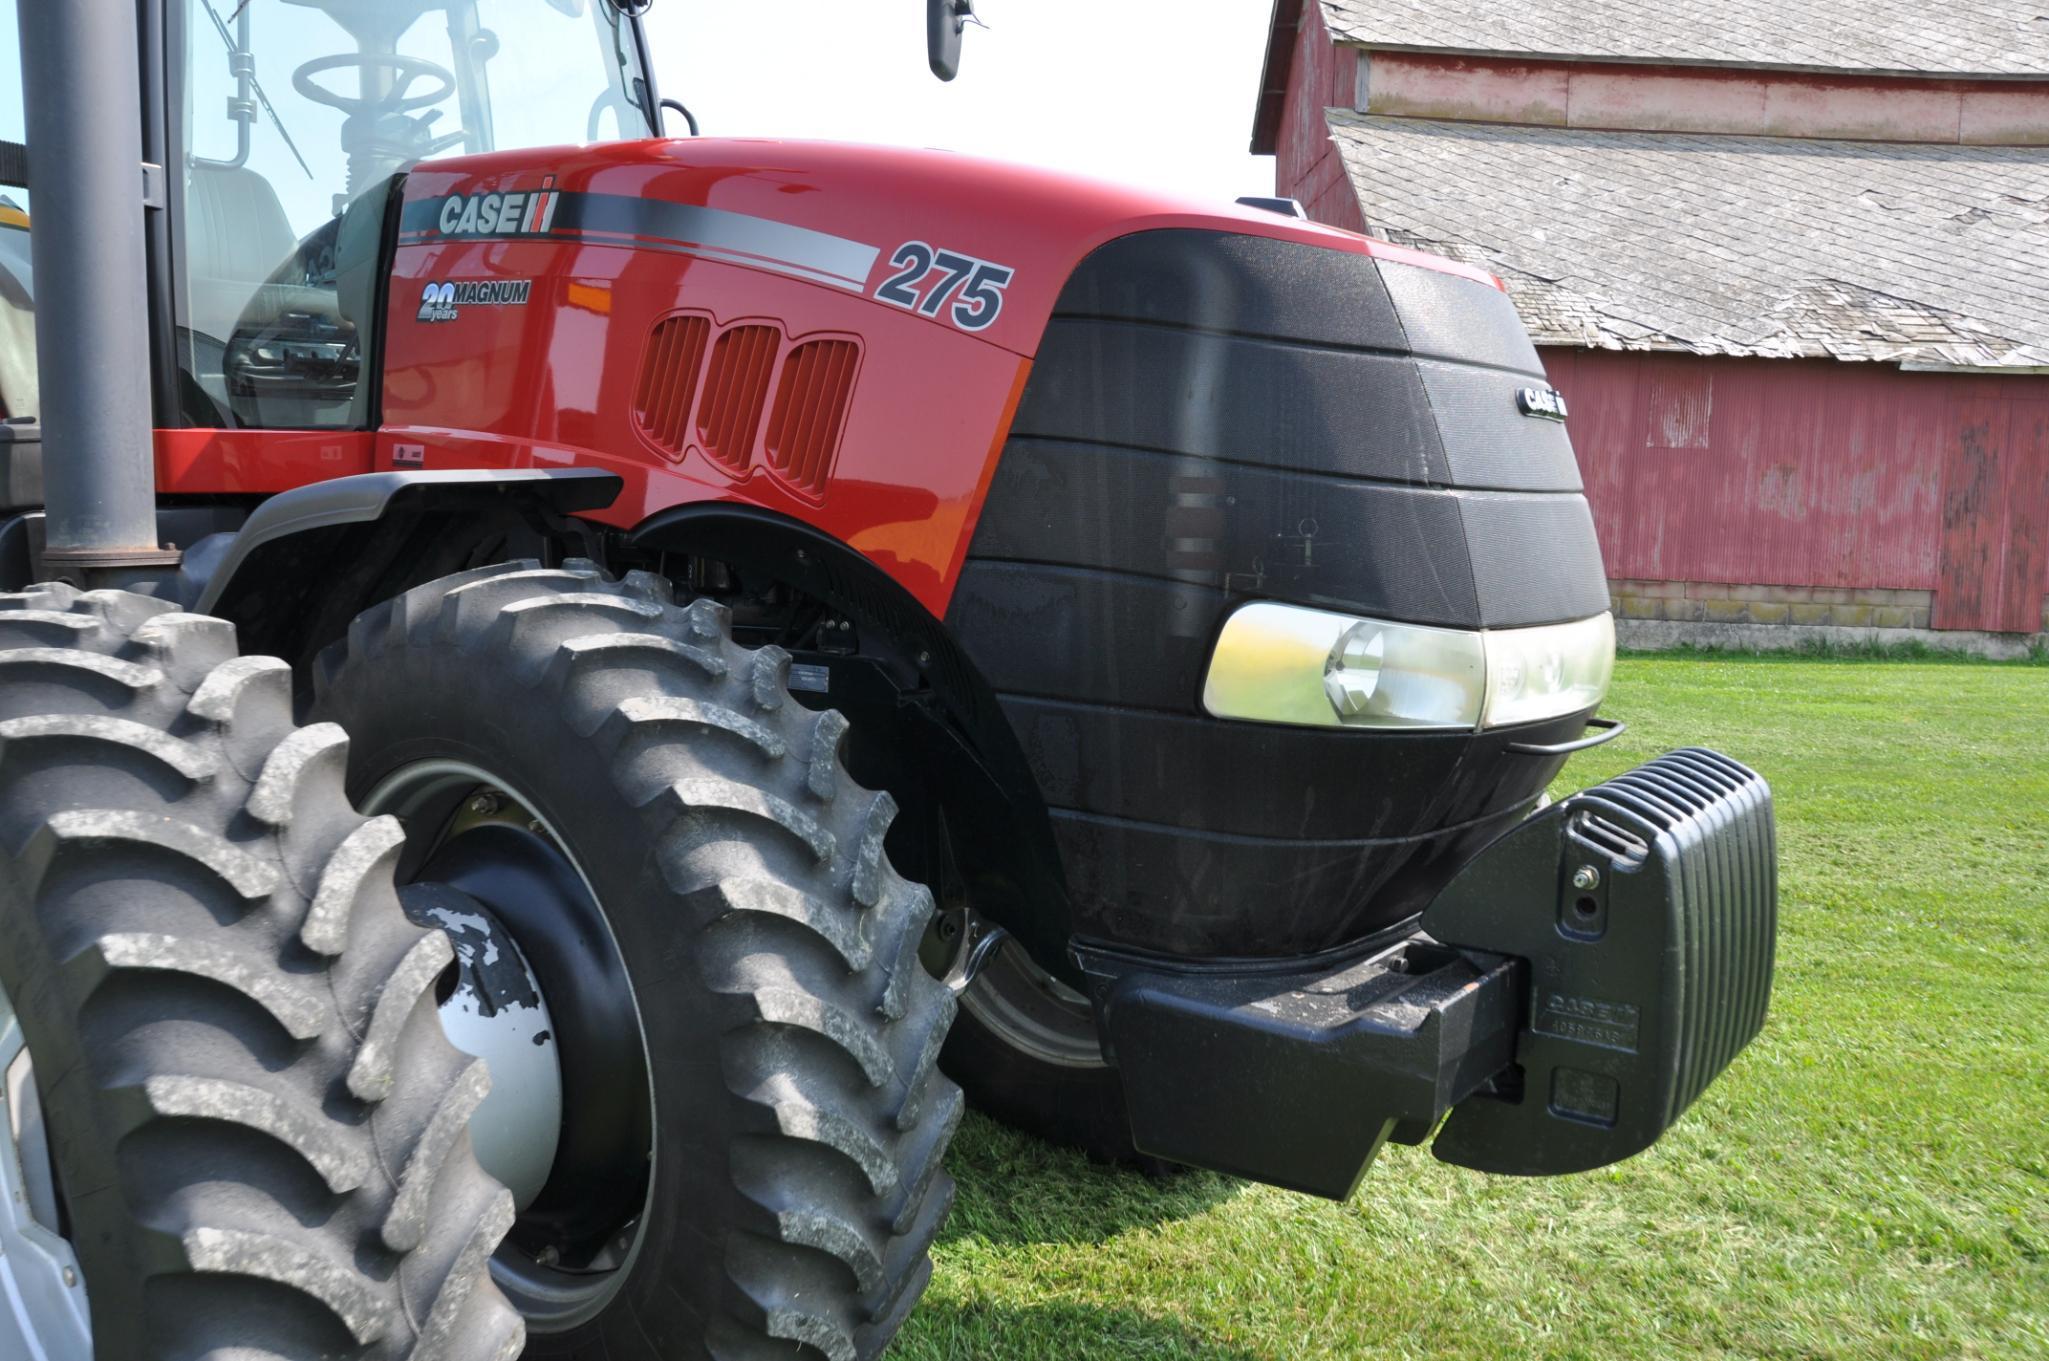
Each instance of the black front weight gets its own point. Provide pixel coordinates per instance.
(1571, 992)
(1648, 909)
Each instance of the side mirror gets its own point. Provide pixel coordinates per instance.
(944, 22)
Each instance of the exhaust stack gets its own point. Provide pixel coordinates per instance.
(82, 86)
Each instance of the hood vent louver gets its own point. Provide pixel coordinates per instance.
(668, 380)
(810, 412)
(706, 389)
(735, 393)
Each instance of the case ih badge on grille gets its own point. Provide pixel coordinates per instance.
(1546, 403)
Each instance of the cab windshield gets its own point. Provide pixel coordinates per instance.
(294, 109)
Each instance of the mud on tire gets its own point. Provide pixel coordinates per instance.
(256, 1120)
(791, 1035)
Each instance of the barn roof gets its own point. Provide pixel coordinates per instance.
(1925, 37)
(1727, 245)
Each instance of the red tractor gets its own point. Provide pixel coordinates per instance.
(565, 692)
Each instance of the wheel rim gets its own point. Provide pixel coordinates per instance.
(1033, 1011)
(45, 1316)
(438, 802)
(505, 1021)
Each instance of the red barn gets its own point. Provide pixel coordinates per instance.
(1788, 262)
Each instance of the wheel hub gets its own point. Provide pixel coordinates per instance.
(43, 1315)
(543, 997)
(498, 1013)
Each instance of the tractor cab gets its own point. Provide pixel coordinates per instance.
(279, 124)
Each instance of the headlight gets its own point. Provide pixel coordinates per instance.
(1289, 664)
(1547, 672)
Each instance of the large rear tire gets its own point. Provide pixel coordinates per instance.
(257, 1129)
(787, 1182)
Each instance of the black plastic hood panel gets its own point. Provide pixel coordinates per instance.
(1272, 420)
(1214, 419)
(1355, 365)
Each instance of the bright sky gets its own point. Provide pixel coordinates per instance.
(1158, 93)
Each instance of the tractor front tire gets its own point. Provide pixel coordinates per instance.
(1026, 1052)
(795, 1117)
(255, 1123)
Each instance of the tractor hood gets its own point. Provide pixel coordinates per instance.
(974, 246)
(842, 335)
(1084, 427)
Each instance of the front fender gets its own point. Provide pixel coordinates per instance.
(310, 559)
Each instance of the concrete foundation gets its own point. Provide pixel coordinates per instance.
(1657, 635)
(1652, 615)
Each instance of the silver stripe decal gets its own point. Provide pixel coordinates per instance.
(652, 224)
(801, 250)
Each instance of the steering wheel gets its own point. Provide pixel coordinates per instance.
(405, 71)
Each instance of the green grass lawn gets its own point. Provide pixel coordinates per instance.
(1870, 1179)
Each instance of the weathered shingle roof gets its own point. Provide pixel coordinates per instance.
(1946, 37)
(1727, 245)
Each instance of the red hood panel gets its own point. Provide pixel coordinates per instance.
(836, 334)
(844, 216)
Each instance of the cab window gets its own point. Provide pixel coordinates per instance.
(296, 114)
(18, 401)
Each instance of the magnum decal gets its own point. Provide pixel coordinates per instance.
(443, 301)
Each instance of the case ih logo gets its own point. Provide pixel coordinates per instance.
(1548, 403)
(442, 301)
(520, 213)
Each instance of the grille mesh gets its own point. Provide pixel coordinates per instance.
(811, 411)
(735, 393)
(669, 371)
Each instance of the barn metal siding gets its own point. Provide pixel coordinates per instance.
(1307, 166)
(1815, 473)
(1995, 514)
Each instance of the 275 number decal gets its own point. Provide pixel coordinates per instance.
(926, 279)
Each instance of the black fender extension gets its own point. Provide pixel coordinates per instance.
(308, 560)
